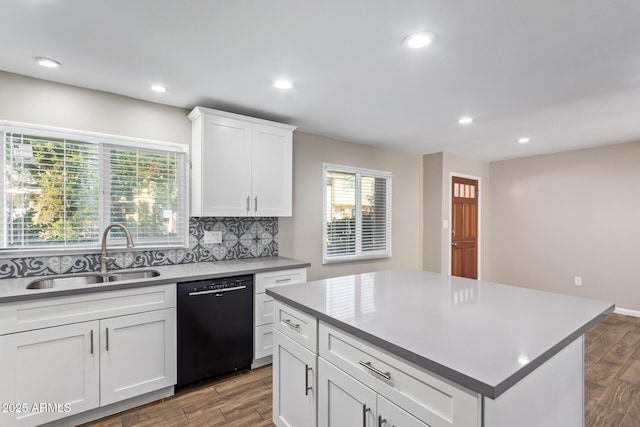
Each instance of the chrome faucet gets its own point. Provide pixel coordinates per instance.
(104, 257)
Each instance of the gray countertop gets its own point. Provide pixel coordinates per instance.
(482, 335)
(15, 289)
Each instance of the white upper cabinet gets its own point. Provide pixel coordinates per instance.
(240, 166)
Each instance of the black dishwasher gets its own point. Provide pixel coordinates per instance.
(215, 327)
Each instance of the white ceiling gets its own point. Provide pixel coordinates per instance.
(566, 73)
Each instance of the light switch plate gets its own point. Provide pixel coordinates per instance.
(445, 223)
(212, 237)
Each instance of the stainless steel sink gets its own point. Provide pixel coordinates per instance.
(80, 279)
(130, 275)
(71, 280)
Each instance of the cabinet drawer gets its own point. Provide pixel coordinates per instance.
(263, 309)
(42, 313)
(281, 277)
(298, 326)
(263, 341)
(434, 400)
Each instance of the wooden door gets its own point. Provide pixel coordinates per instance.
(464, 227)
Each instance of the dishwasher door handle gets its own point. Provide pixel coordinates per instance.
(218, 291)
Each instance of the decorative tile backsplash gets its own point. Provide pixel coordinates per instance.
(241, 238)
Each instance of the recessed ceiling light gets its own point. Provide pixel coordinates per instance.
(46, 62)
(158, 88)
(466, 120)
(283, 84)
(524, 140)
(418, 40)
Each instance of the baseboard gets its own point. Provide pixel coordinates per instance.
(114, 408)
(261, 362)
(627, 312)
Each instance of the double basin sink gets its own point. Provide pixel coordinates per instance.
(81, 279)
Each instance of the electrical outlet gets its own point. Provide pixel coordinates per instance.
(212, 237)
(577, 281)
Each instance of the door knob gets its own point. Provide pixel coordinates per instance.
(454, 244)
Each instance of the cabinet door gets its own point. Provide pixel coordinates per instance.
(271, 166)
(294, 384)
(390, 415)
(137, 354)
(343, 401)
(56, 369)
(225, 167)
(263, 309)
(263, 343)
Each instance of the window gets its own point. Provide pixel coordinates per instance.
(60, 189)
(357, 214)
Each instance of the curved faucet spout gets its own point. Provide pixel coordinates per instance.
(104, 257)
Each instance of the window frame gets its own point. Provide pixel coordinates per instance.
(359, 254)
(103, 141)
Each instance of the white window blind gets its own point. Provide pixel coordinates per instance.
(357, 213)
(60, 190)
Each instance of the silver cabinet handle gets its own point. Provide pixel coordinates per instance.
(91, 334)
(283, 280)
(255, 205)
(291, 324)
(385, 375)
(107, 339)
(364, 415)
(219, 291)
(248, 207)
(306, 380)
(380, 421)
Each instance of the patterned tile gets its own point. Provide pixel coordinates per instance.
(242, 238)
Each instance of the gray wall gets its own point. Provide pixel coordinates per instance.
(29, 100)
(438, 170)
(570, 214)
(301, 235)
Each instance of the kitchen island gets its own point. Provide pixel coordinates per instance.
(413, 348)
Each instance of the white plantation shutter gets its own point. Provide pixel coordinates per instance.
(357, 213)
(60, 189)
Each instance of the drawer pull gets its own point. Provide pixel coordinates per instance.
(382, 421)
(283, 280)
(364, 415)
(291, 324)
(306, 380)
(385, 375)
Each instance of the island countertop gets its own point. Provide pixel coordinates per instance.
(482, 335)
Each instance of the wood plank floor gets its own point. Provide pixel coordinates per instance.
(612, 389)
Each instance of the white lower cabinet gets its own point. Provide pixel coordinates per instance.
(138, 354)
(294, 383)
(54, 366)
(358, 384)
(264, 309)
(344, 402)
(263, 343)
(391, 415)
(62, 370)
